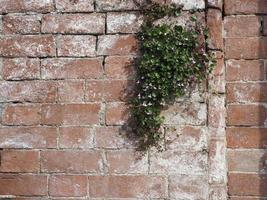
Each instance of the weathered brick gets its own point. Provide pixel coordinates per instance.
(24, 185)
(75, 6)
(127, 186)
(21, 115)
(119, 67)
(178, 162)
(218, 192)
(217, 162)
(110, 138)
(246, 137)
(70, 114)
(19, 161)
(32, 137)
(20, 69)
(76, 137)
(217, 112)
(116, 114)
(41, 6)
(123, 22)
(185, 138)
(69, 68)
(71, 91)
(244, 70)
(188, 5)
(127, 162)
(246, 92)
(247, 161)
(29, 91)
(115, 5)
(245, 198)
(71, 161)
(246, 48)
(68, 186)
(246, 115)
(214, 23)
(117, 45)
(247, 184)
(28, 45)
(186, 113)
(216, 4)
(242, 26)
(77, 45)
(74, 23)
(188, 187)
(108, 90)
(21, 24)
(245, 6)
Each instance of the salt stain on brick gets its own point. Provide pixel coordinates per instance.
(75, 6)
(186, 113)
(191, 187)
(189, 4)
(123, 22)
(178, 162)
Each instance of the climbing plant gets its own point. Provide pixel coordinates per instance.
(173, 58)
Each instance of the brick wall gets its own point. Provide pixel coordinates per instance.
(245, 49)
(65, 65)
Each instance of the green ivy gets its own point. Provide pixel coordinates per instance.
(173, 58)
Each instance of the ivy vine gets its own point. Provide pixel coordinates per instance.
(173, 59)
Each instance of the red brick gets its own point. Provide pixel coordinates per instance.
(76, 137)
(245, 6)
(29, 91)
(77, 45)
(21, 24)
(75, 6)
(117, 45)
(71, 161)
(115, 5)
(20, 69)
(68, 186)
(25, 185)
(108, 90)
(74, 23)
(127, 162)
(119, 67)
(242, 26)
(116, 114)
(188, 187)
(28, 45)
(214, 23)
(246, 137)
(123, 22)
(245, 198)
(70, 114)
(19, 161)
(246, 92)
(110, 137)
(244, 70)
(21, 115)
(32, 137)
(41, 6)
(247, 161)
(127, 186)
(247, 184)
(246, 115)
(71, 91)
(246, 48)
(65, 68)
